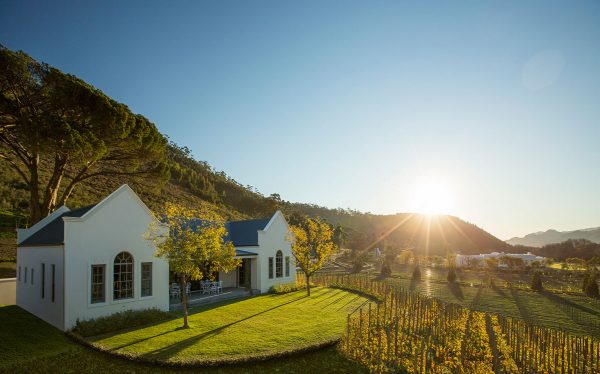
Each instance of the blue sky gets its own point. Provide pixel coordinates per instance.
(492, 108)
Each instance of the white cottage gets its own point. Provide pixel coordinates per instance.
(94, 261)
(266, 254)
(90, 262)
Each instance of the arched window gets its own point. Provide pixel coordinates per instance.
(123, 277)
(279, 265)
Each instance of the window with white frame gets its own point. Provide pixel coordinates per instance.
(278, 264)
(123, 276)
(270, 267)
(146, 279)
(98, 284)
(287, 266)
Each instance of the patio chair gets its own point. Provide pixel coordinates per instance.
(214, 287)
(188, 289)
(205, 288)
(219, 286)
(174, 291)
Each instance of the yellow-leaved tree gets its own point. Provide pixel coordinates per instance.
(194, 243)
(312, 245)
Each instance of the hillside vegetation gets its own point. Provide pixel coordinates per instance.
(50, 155)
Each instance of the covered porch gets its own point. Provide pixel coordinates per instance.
(198, 298)
(236, 283)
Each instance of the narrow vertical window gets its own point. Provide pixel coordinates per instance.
(32, 276)
(123, 277)
(278, 264)
(19, 274)
(270, 267)
(25, 274)
(43, 280)
(146, 279)
(98, 283)
(287, 266)
(53, 281)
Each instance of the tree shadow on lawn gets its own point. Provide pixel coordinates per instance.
(355, 298)
(413, 285)
(171, 350)
(557, 299)
(523, 311)
(329, 292)
(456, 290)
(499, 291)
(335, 301)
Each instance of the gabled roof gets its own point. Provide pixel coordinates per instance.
(245, 233)
(240, 233)
(54, 232)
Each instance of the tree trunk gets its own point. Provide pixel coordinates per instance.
(184, 301)
(51, 192)
(308, 285)
(34, 191)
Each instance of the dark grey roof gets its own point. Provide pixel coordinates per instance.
(53, 233)
(240, 233)
(239, 252)
(245, 233)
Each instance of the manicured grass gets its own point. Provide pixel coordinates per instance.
(252, 326)
(30, 345)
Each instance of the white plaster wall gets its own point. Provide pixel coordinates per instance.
(270, 240)
(118, 224)
(229, 278)
(29, 296)
(8, 291)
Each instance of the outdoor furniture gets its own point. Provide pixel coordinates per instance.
(205, 288)
(188, 289)
(219, 286)
(214, 287)
(174, 291)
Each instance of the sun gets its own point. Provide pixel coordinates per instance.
(432, 197)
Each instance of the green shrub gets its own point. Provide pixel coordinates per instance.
(536, 282)
(416, 275)
(279, 289)
(590, 285)
(451, 275)
(386, 270)
(120, 321)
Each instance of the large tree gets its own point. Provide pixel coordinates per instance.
(312, 245)
(57, 131)
(194, 244)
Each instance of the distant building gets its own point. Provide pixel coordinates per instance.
(480, 259)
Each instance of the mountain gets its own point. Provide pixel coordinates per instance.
(539, 239)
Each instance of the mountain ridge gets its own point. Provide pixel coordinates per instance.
(551, 236)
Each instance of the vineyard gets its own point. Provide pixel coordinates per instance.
(406, 331)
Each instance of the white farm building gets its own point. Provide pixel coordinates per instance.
(480, 259)
(94, 261)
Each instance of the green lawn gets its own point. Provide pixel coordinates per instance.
(30, 345)
(251, 326)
